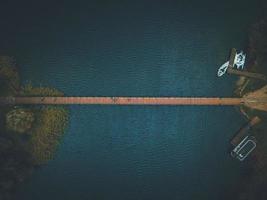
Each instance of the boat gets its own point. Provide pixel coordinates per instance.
(244, 148)
(236, 60)
(244, 143)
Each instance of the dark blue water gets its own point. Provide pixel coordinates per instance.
(134, 48)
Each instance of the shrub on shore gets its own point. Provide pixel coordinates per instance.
(47, 133)
(29, 135)
(19, 120)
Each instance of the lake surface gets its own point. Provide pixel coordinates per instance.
(133, 48)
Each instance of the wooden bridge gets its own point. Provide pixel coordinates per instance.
(255, 100)
(122, 100)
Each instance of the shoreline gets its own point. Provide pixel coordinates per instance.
(30, 134)
(253, 184)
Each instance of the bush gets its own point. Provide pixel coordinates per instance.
(19, 120)
(47, 133)
(29, 90)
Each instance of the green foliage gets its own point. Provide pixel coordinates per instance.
(19, 120)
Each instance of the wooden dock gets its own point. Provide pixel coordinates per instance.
(254, 100)
(121, 100)
(258, 76)
(232, 58)
(232, 70)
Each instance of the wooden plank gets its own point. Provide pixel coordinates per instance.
(232, 58)
(123, 100)
(231, 70)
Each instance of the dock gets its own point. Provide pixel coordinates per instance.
(237, 72)
(232, 70)
(254, 100)
(121, 101)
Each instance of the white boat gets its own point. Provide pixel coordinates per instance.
(244, 148)
(236, 60)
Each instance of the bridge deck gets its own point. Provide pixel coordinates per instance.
(123, 100)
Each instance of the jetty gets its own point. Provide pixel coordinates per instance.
(232, 70)
(255, 100)
(122, 100)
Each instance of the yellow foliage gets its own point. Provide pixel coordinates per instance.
(47, 132)
(29, 90)
(49, 125)
(50, 121)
